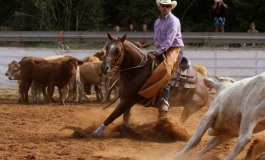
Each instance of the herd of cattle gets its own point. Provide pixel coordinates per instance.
(71, 76)
(238, 109)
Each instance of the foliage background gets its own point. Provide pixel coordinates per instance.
(102, 15)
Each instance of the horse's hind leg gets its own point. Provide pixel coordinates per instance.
(126, 116)
(191, 107)
(187, 112)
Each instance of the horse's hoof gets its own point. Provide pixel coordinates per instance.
(99, 131)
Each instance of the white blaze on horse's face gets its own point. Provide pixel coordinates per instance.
(110, 58)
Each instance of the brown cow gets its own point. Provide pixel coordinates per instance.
(48, 73)
(100, 54)
(27, 65)
(90, 74)
(91, 59)
(86, 85)
(96, 57)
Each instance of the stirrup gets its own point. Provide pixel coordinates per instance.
(163, 105)
(148, 102)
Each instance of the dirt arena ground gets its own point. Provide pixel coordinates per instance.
(42, 132)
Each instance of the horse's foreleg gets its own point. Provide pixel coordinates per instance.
(119, 110)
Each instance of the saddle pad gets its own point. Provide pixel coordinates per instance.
(173, 83)
(190, 73)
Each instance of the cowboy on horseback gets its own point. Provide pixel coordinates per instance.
(168, 43)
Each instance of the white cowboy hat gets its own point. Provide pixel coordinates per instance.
(167, 2)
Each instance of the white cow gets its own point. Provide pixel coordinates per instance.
(238, 110)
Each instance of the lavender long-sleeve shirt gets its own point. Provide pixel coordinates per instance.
(167, 33)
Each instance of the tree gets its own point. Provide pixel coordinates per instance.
(120, 12)
(247, 11)
(102, 15)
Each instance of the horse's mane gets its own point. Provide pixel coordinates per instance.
(126, 42)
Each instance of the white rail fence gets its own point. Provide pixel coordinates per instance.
(234, 63)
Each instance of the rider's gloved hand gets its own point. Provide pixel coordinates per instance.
(161, 57)
(155, 53)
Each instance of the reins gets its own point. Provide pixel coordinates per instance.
(120, 59)
(135, 67)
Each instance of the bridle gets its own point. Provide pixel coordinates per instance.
(121, 58)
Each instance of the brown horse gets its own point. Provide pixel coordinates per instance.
(135, 69)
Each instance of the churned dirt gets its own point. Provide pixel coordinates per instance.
(51, 131)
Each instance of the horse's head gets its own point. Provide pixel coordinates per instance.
(114, 53)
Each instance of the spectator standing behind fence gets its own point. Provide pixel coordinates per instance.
(252, 29)
(219, 8)
(145, 28)
(131, 28)
(116, 28)
(143, 43)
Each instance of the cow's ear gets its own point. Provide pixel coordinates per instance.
(102, 53)
(209, 82)
(14, 61)
(225, 79)
(70, 60)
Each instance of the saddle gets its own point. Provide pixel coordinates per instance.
(185, 76)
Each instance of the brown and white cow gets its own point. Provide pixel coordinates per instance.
(48, 73)
(13, 67)
(238, 110)
(13, 73)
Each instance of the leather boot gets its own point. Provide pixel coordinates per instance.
(163, 100)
